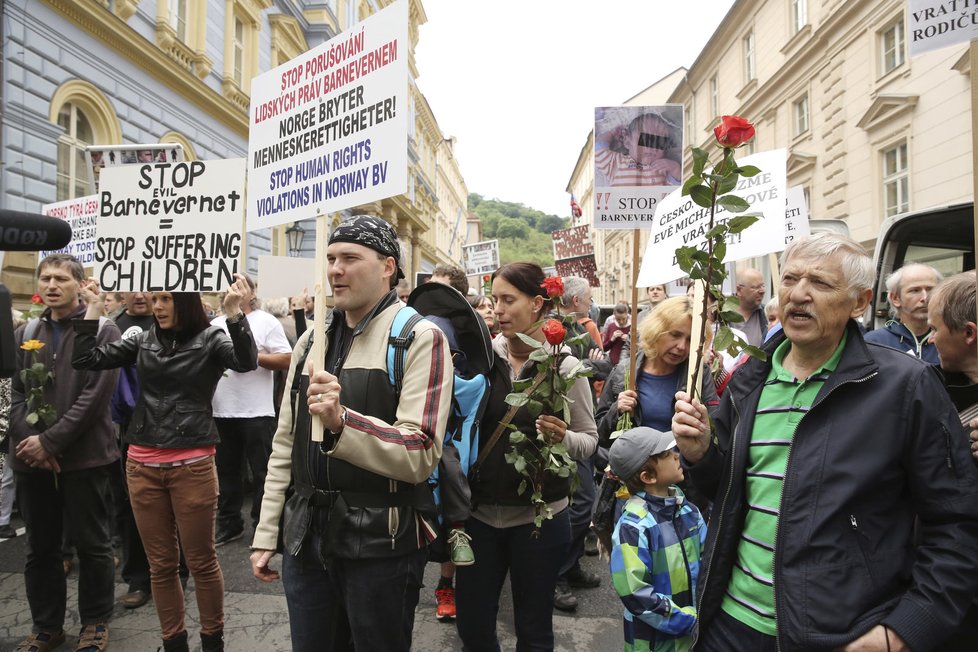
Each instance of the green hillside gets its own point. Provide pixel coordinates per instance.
(523, 233)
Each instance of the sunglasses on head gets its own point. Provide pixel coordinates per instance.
(654, 141)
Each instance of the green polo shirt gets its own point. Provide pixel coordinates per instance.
(783, 403)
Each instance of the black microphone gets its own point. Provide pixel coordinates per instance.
(32, 232)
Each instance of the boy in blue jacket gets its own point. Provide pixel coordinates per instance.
(656, 545)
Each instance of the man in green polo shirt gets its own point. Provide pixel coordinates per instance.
(819, 461)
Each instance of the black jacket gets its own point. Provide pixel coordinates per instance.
(880, 445)
(177, 378)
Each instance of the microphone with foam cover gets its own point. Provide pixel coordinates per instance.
(32, 232)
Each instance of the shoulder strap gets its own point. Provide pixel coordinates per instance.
(31, 329)
(297, 376)
(404, 322)
(498, 432)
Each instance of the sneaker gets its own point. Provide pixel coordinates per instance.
(93, 638)
(564, 599)
(7, 531)
(458, 543)
(41, 642)
(227, 536)
(446, 604)
(582, 579)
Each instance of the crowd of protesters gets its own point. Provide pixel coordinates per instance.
(824, 497)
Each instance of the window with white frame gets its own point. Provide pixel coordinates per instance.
(178, 18)
(715, 95)
(892, 46)
(802, 115)
(73, 174)
(896, 180)
(238, 52)
(750, 61)
(799, 15)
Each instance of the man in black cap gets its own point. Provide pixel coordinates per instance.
(356, 528)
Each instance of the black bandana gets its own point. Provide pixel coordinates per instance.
(373, 233)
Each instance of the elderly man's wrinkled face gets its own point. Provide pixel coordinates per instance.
(915, 288)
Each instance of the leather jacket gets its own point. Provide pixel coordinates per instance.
(177, 377)
(880, 445)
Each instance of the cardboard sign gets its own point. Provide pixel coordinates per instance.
(572, 242)
(286, 276)
(82, 214)
(481, 257)
(173, 227)
(681, 222)
(935, 24)
(583, 266)
(638, 161)
(795, 215)
(329, 129)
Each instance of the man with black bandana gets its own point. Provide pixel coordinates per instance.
(356, 527)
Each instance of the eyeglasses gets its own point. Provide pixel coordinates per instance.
(654, 141)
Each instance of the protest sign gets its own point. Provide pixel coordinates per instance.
(681, 222)
(637, 163)
(481, 257)
(572, 242)
(81, 214)
(286, 276)
(795, 215)
(328, 129)
(99, 157)
(173, 227)
(935, 24)
(583, 266)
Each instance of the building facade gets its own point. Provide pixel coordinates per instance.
(107, 72)
(869, 131)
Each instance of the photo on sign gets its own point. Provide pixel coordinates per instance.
(572, 242)
(98, 157)
(481, 257)
(583, 266)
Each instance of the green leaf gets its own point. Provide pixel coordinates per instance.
(563, 472)
(741, 222)
(31, 419)
(519, 464)
(539, 355)
(724, 338)
(517, 437)
(699, 161)
(520, 385)
(755, 352)
(558, 403)
(701, 196)
(522, 488)
(731, 317)
(730, 304)
(691, 183)
(529, 340)
(720, 250)
(535, 408)
(719, 229)
(733, 203)
(728, 183)
(684, 256)
(748, 170)
(38, 368)
(517, 399)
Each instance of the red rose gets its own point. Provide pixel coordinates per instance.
(36, 299)
(733, 131)
(554, 331)
(553, 286)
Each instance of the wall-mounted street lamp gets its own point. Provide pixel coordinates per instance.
(294, 236)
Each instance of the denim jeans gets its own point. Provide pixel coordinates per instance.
(174, 508)
(78, 500)
(532, 564)
(579, 513)
(241, 439)
(351, 604)
(725, 633)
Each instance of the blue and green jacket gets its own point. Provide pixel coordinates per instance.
(655, 565)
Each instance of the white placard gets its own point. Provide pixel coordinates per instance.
(680, 222)
(481, 257)
(935, 24)
(329, 129)
(81, 214)
(638, 154)
(173, 227)
(795, 215)
(283, 276)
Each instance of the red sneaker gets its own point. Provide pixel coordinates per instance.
(446, 604)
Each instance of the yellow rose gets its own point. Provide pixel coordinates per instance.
(32, 345)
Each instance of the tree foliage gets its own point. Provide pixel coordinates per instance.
(523, 232)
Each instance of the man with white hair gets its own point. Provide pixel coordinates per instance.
(820, 460)
(908, 291)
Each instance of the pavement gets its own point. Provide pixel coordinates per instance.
(256, 617)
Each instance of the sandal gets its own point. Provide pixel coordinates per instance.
(93, 638)
(41, 642)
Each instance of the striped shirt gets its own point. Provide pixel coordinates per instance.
(622, 170)
(784, 401)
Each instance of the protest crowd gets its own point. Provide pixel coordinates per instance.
(823, 498)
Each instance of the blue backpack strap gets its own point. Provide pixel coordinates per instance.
(404, 322)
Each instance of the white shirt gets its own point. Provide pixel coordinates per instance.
(249, 394)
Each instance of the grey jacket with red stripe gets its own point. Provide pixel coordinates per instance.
(367, 494)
